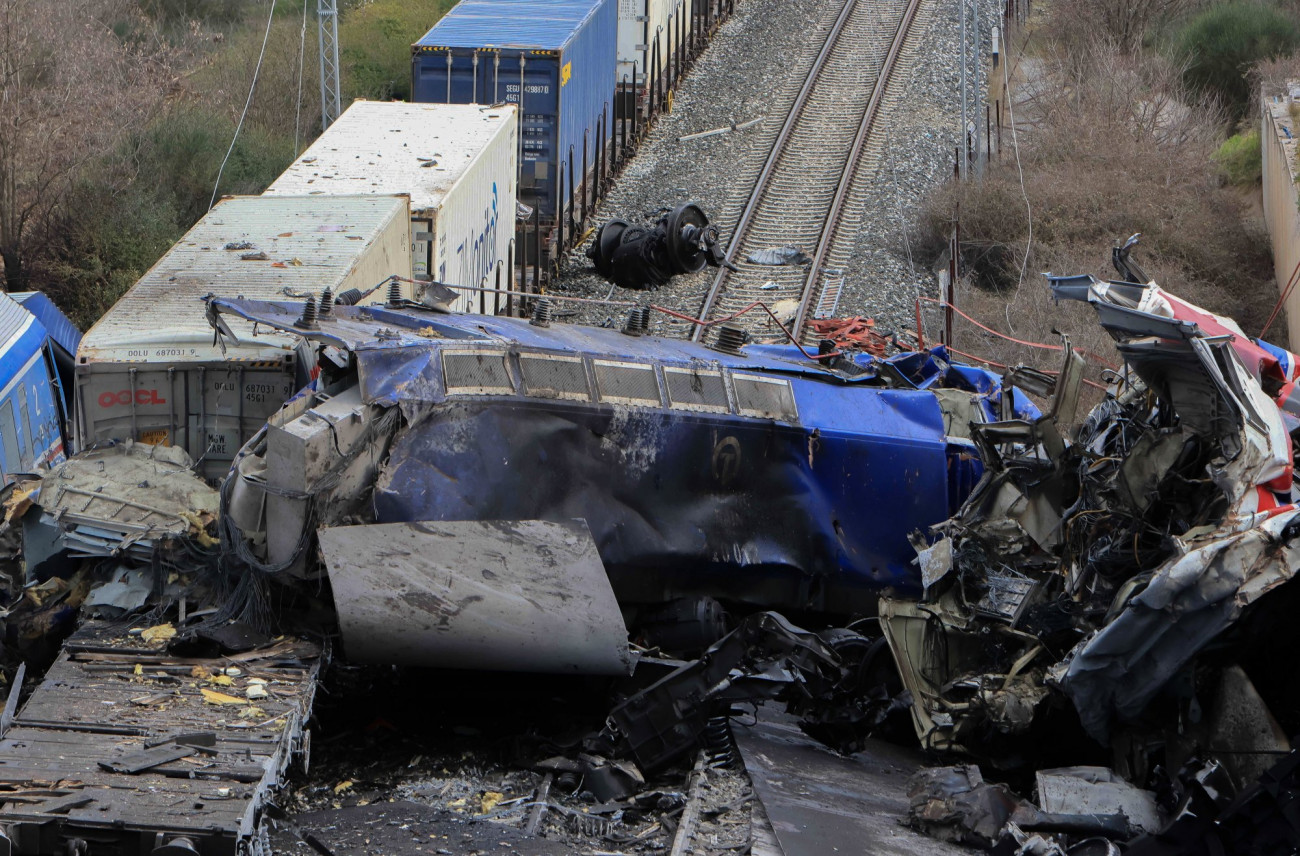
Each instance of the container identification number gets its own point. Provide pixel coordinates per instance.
(161, 352)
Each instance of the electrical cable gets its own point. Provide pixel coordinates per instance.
(247, 103)
(302, 56)
(1281, 299)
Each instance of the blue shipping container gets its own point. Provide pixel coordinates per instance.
(560, 55)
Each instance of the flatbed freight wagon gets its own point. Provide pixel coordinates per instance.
(555, 58)
(150, 371)
(459, 165)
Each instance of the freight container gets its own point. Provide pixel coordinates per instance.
(151, 370)
(640, 24)
(458, 163)
(558, 55)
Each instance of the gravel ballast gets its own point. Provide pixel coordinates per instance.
(754, 68)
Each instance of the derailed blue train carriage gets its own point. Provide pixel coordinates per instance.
(758, 476)
(36, 343)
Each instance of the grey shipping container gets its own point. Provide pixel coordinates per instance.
(149, 370)
(556, 58)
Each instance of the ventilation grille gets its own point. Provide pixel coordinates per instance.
(554, 377)
(476, 373)
(766, 398)
(626, 383)
(696, 389)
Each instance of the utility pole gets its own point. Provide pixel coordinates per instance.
(965, 115)
(331, 101)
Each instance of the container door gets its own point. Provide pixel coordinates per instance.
(119, 403)
(539, 129)
(422, 249)
(230, 403)
(534, 82)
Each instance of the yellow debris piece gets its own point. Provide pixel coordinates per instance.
(489, 800)
(158, 633)
(343, 786)
(214, 697)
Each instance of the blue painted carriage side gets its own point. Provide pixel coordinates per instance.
(31, 416)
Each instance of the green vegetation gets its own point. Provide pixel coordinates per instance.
(1222, 44)
(1239, 158)
(376, 43)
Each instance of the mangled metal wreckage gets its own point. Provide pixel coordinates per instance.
(752, 476)
(1106, 583)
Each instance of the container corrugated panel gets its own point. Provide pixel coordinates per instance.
(457, 162)
(149, 369)
(639, 22)
(309, 243)
(558, 55)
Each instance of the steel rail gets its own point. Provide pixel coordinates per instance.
(851, 165)
(796, 110)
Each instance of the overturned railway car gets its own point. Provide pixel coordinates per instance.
(758, 477)
(33, 412)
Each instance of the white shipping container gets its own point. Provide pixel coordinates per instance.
(149, 370)
(638, 23)
(457, 162)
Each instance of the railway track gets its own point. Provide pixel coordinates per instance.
(802, 193)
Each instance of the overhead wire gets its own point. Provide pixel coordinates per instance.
(1029, 211)
(252, 87)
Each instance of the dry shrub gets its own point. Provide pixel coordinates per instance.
(1113, 147)
(1128, 24)
(1270, 78)
(70, 88)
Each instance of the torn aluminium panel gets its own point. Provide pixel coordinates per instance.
(121, 500)
(748, 476)
(507, 595)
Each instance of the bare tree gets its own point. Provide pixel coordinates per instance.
(1126, 23)
(70, 85)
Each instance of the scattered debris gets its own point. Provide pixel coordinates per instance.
(632, 257)
(858, 333)
(112, 770)
(779, 256)
(724, 130)
(122, 500)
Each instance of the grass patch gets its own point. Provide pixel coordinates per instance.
(1240, 160)
(375, 45)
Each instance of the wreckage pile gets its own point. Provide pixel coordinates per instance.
(1091, 610)
(1129, 585)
